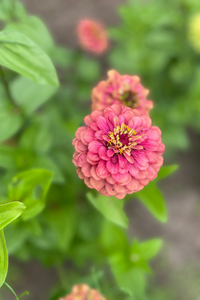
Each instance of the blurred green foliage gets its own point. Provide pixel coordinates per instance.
(152, 42)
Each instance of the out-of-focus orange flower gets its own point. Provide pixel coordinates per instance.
(92, 36)
(83, 292)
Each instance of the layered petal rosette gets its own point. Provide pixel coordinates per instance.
(92, 36)
(83, 292)
(123, 89)
(118, 151)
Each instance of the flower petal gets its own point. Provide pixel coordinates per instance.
(101, 170)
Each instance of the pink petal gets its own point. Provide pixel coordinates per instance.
(103, 153)
(80, 174)
(117, 108)
(101, 170)
(122, 179)
(104, 192)
(140, 160)
(123, 163)
(161, 148)
(110, 190)
(93, 156)
(151, 156)
(120, 196)
(152, 174)
(81, 159)
(97, 184)
(120, 189)
(121, 120)
(133, 184)
(94, 173)
(153, 134)
(129, 158)
(79, 130)
(88, 120)
(95, 114)
(110, 180)
(150, 145)
(94, 146)
(87, 136)
(86, 169)
(80, 147)
(112, 168)
(110, 152)
(144, 181)
(102, 124)
(133, 170)
(159, 161)
(87, 182)
(94, 126)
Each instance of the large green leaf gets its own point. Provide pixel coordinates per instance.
(111, 208)
(11, 9)
(35, 29)
(152, 198)
(3, 259)
(9, 212)
(146, 250)
(21, 54)
(31, 187)
(166, 171)
(31, 97)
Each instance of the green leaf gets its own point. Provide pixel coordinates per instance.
(166, 171)
(34, 29)
(131, 281)
(31, 187)
(3, 259)
(21, 54)
(152, 198)
(111, 208)
(10, 121)
(9, 212)
(148, 249)
(10, 9)
(31, 97)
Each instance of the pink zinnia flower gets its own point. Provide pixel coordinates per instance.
(83, 292)
(92, 36)
(123, 89)
(118, 152)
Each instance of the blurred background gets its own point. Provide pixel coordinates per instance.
(159, 41)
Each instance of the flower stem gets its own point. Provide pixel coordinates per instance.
(11, 289)
(6, 86)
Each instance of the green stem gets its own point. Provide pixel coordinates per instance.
(6, 86)
(62, 276)
(11, 289)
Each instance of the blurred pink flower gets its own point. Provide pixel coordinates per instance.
(123, 89)
(83, 292)
(92, 36)
(118, 152)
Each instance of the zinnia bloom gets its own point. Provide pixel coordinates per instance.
(118, 152)
(194, 32)
(123, 89)
(92, 36)
(83, 292)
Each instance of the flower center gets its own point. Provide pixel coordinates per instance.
(122, 139)
(130, 99)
